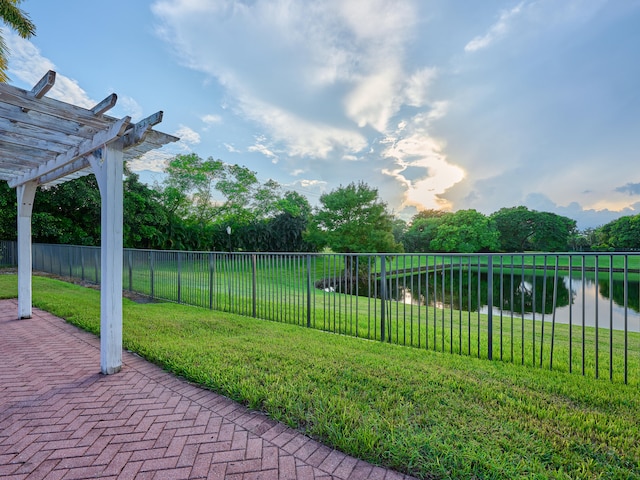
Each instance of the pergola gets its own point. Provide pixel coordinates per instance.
(44, 142)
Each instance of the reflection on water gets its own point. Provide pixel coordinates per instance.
(577, 300)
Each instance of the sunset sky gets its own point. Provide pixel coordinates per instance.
(444, 104)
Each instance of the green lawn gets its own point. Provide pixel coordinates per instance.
(426, 413)
(281, 295)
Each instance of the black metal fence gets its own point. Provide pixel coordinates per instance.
(567, 312)
(8, 254)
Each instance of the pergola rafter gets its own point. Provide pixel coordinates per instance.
(44, 141)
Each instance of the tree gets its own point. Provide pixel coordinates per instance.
(422, 230)
(522, 229)
(8, 212)
(620, 234)
(428, 214)
(553, 232)
(352, 219)
(19, 21)
(465, 231)
(68, 213)
(188, 189)
(144, 215)
(399, 229)
(516, 226)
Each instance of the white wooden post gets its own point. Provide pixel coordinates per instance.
(108, 168)
(26, 193)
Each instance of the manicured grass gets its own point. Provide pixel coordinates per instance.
(281, 295)
(430, 414)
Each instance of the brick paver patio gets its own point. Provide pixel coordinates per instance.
(61, 419)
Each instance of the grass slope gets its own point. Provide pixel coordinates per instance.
(429, 414)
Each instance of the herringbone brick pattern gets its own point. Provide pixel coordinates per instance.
(61, 419)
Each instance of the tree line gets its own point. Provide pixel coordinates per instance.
(209, 205)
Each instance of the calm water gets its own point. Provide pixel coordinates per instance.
(598, 302)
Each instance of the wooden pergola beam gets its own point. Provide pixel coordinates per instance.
(44, 85)
(104, 137)
(105, 105)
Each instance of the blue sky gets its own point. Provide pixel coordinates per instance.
(445, 104)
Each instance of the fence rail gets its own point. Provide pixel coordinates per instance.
(566, 312)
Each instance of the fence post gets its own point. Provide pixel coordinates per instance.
(95, 264)
(254, 285)
(383, 296)
(308, 290)
(179, 277)
(211, 267)
(490, 309)
(82, 263)
(130, 271)
(151, 272)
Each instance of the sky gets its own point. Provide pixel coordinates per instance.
(439, 104)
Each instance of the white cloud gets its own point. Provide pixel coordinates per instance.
(300, 136)
(421, 153)
(187, 135)
(231, 149)
(153, 161)
(416, 91)
(375, 99)
(211, 119)
(310, 183)
(496, 31)
(349, 90)
(339, 58)
(27, 64)
(264, 150)
(128, 106)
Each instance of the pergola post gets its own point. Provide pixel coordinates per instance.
(26, 193)
(108, 169)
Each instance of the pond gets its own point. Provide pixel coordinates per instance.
(577, 299)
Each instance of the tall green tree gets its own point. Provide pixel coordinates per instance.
(145, 218)
(189, 187)
(208, 190)
(620, 234)
(522, 229)
(8, 212)
(353, 219)
(516, 226)
(553, 232)
(422, 230)
(19, 21)
(68, 213)
(465, 231)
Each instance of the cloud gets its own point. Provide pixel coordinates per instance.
(264, 150)
(187, 135)
(324, 81)
(211, 119)
(129, 107)
(338, 64)
(368, 90)
(423, 170)
(231, 149)
(153, 161)
(27, 65)
(630, 188)
(496, 31)
(300, 136)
